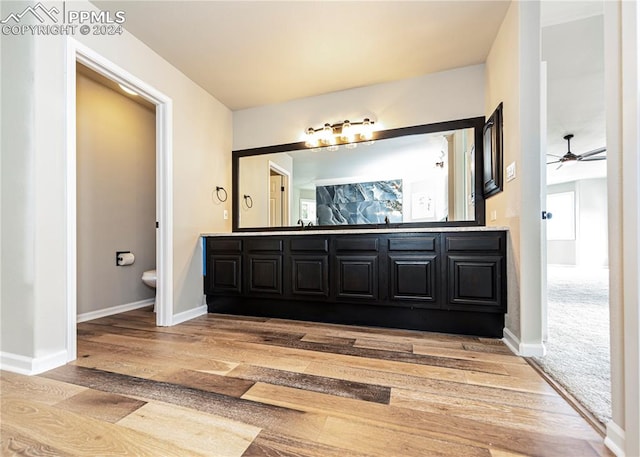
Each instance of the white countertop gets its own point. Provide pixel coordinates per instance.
(362, 231)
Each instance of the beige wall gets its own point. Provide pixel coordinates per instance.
(444, 96)
(503, 86)
(116, 195)
(514, 78)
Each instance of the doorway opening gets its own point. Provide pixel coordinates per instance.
(576, 243)
(81, 54)
(278, 196)
(116, 197)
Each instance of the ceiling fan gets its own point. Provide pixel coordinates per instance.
(570, 157)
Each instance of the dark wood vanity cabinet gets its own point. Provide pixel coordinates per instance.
(307, 268)
(441, 281)
(476, 272)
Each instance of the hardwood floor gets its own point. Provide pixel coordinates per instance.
(236, 386)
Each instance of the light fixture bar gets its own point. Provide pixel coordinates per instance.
(332, 135)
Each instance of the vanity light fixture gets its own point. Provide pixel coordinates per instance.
(333, 135)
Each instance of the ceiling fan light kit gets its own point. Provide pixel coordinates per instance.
(570, 158)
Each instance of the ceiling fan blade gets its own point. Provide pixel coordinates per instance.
(591, 153)
(555, 161)
(592, 159)
(560, 166)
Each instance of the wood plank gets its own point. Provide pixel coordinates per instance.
(210, 382)
(104, 406)
(202, 433)
(467, 355)
(354, 435)
(523, 384)
(48, 391)
(394, 346)
(337, 387)
(16, 443)
(269, 444)
(81, 435)
(313, 338)
(439, 426)
(492, 413)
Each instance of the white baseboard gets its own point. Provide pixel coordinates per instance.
(615, 439)
(31, 365)
(188, 315)
(520, 348)
(511, 341)
(114, 310)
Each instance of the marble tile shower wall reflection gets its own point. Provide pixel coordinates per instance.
(359, 203)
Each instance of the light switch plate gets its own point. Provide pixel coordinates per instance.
(225, 215)
(494, 215)
(511, 171)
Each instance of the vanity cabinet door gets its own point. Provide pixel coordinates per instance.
(413, 279)
(356, 268)
(263, 266)
(476, 272)
(308, 268)
(310, 276)
(264, 274)
(224, 267)
(413, 270)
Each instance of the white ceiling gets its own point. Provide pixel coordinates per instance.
(252, 53)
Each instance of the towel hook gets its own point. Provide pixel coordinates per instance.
(248, 201)
(220, 190)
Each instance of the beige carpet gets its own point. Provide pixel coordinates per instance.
(578, 347)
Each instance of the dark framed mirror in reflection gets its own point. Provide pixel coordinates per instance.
(421, 176)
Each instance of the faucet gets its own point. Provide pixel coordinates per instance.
(301, 222)
(310, 224)
(386, 221)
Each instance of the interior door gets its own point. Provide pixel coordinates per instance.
(275, 200)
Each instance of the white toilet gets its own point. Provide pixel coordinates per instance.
(150, 278)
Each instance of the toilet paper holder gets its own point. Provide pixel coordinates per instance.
(120, 261)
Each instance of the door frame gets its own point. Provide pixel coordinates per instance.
(77, 52)
(283, 172)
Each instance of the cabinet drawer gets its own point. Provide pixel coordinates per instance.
(356, 244)
(224, 245)
(470, 243)
(310, 244)
(423, 243)
(269, 244)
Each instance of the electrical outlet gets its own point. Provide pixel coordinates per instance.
(225, 214)
(511, 171)
(494, 215)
